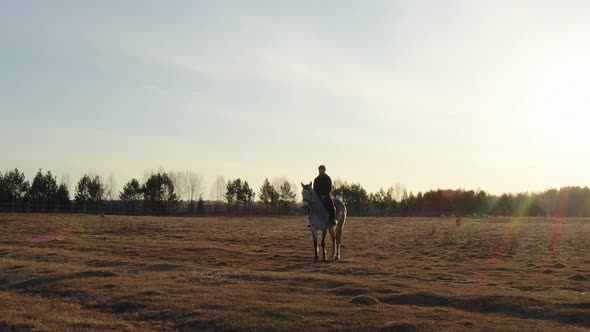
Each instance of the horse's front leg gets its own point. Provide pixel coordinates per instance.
(324, 244)
(315, 242)
(333, 236)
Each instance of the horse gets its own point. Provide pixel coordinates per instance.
(318, 216)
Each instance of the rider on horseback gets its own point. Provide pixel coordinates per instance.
(322, 185)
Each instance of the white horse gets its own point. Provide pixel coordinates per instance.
(318, 221)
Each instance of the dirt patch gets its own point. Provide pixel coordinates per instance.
(121, 307)
(364, 300)
(518, 306)
(16, 267)
(33, 283)
(92, 274)
(107, 286)
(252, 277)
(515, 305)
(165, 267)
(404, 327)
(97, 263)
(15, 327)
(151, 293)
(349, 291)
(581, 305)
(577, 317)
(321, 283)
(578, 277)
(195, 325)
(526, 288)
(424, 299)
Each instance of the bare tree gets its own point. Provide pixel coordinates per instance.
(278, 181)
(148, 173)
(282, 185)
(65, 180)
(189, 185)
(548, 201)
(294, 185)
(179, 180)
(338, 182)
(194, 184)
(110, 189)
(397, 191)
(218, 189)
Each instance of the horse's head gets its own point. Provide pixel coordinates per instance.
(307, 194)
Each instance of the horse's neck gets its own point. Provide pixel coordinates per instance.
(318, 205)
(316, 197)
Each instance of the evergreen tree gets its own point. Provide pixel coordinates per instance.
(89, 191)
(201, 205)
(62, 197)
(82, 195)
(504, 206)
(380, 201)
(268, 195)
(43, 190)
(286, 196)
(231, 191)
(131, 191)
(239, 193)
(158, 193)
(355, 197)
(96, 189)
(392, 204)
(131, 196)
(247, 194)
(3, 190)
(15, 186)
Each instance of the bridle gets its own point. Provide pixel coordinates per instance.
(308, 201)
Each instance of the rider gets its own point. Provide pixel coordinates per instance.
(322, 185)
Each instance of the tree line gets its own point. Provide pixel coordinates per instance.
(181, 192)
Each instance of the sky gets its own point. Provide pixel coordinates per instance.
(490, 95)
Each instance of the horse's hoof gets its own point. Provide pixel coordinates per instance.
(324, 260)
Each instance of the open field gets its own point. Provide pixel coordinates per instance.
(78, 272)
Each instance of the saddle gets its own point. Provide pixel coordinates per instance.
(336, 207)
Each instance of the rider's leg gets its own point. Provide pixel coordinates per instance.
(329, 205)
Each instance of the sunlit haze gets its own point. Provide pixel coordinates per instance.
(430, 94)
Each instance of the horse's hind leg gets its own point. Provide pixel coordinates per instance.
(333, 236)
(324, 244)
(339, 238)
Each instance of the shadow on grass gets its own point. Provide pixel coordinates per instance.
(524, 307)
(42, 281)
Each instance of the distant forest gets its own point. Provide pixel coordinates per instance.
(180, 193)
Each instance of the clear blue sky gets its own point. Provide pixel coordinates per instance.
(431, 94)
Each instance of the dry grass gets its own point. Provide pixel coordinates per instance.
(148, 273)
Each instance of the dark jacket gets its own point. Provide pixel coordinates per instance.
(322, 185)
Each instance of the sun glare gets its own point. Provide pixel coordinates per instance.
(557, 101)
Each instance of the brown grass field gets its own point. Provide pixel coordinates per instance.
(79, 272)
